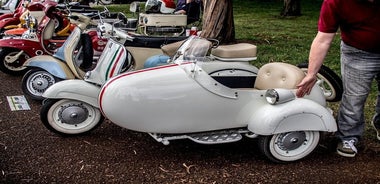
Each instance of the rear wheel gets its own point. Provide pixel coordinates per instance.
(12, 61)
(330, 83)
(289, 146)
(36, 81)
(70, 117)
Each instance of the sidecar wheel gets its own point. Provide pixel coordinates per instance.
(36, 81)
(70, 117)
(289, 146)
(330, 83)
(15, 68)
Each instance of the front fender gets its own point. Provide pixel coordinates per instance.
(30, 47)
(74, 89)
(9, 21)
(6, 16)
(297, 115)
(52, 65)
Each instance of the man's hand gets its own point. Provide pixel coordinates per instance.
(305, 86)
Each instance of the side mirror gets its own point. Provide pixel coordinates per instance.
(134, 7)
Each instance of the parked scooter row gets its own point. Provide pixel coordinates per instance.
(35, 8)
(44, 40)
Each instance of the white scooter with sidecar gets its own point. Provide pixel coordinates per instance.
(182, 101)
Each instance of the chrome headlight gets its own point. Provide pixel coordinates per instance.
(87, 75)
(278, 96)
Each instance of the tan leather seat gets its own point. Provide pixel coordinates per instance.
(239, 50)
(278, 75)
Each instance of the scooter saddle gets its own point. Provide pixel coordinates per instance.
(240, 51)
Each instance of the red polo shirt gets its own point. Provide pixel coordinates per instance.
(359, 22)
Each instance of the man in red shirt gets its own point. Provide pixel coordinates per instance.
(359, 25)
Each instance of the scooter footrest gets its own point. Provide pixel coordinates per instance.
(216, 137)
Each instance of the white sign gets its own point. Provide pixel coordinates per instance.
(18, 103)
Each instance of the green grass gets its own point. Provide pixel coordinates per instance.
(284, 39)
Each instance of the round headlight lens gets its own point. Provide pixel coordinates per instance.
(271, 96)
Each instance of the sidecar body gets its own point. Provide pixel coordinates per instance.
(183, 98)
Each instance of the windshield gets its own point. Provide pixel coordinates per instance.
(194, 49)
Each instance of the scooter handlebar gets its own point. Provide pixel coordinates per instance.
(110, 31)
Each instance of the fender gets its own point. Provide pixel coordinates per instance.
(297, 115)
(75, 89)
(6, 15)
(52, 65)
(9, 21)
(32, 48)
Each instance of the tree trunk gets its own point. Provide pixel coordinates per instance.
(218, 22)
(291, 8)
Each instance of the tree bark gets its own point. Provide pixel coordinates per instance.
(218, 22)
(291, 8)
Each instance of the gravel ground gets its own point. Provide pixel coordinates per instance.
(29, 153)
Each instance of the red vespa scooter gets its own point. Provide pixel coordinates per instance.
(15, 51)
(13, 18)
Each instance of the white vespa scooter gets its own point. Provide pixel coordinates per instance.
(182, 101)
(47, 70)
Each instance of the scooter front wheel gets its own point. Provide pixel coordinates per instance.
(12, 61)
(70, 117)
(36, 81)
(289, 146)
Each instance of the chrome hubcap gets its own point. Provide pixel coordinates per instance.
(291, 140)
(73, 114)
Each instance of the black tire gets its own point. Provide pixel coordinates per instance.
(87, 51)
(330, 83)
(68, 117)
(36, 81)
(2, 33)
(288, 147)
(58, 22)
(15, 68)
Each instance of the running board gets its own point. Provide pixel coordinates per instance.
(213, 137)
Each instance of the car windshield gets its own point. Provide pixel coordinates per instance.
(194, 49)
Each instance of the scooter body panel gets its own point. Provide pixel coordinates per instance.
(6, 15)
(74, 89)
(109, 64)
(52, 65)
(31, 47)
(9, 21)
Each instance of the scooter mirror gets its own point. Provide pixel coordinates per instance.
(134, 7)
(122, 18)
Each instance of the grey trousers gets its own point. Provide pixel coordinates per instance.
(359, 69)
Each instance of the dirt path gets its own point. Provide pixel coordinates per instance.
(29, 153)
